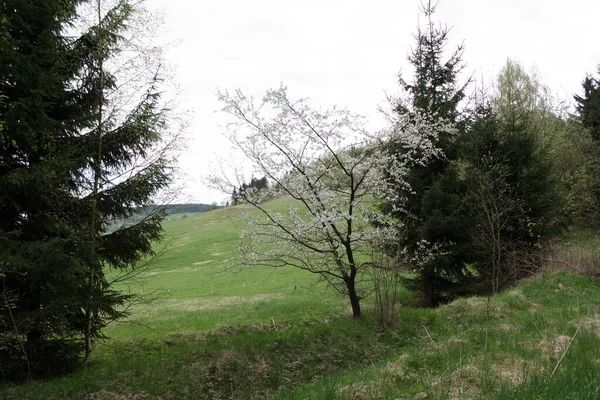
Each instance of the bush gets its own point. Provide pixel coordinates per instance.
(386, 279)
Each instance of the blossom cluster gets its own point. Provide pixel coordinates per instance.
(335, 171)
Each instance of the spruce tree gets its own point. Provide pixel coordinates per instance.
(433, 212)
(124, 159)
(40, 114)
(79, 150)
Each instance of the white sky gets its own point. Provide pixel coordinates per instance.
(349, 52)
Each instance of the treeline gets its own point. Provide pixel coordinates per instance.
(180, 208)
(463, 189)
(255, 185)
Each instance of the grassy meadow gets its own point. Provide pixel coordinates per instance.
(215, 332)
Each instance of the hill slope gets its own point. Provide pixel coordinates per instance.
(263, 333)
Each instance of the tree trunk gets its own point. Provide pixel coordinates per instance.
(354, 299)
(429, 299)
(88, 334)
(33, 343)
(34, 335)
(89, 313)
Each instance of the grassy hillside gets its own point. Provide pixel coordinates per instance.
(264, 333)
(196, 279)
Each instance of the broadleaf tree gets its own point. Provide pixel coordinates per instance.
(514, 202)
(331, 169)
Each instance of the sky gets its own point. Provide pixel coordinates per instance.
(349, 53)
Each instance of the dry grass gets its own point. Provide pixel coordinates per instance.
(161, 309)
(591, 323)
(517, 294)
(203, 262)
(359, 391)
(396, 369)
(512, 371)
(476, 306)
(201, 304)
(561, 343)
(551, 348)
(108, 395)
(579, 258)
(464, 383)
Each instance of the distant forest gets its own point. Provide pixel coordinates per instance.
(182, 208)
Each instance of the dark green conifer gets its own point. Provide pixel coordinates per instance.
(432, 211)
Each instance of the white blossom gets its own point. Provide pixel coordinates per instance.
(336, 172)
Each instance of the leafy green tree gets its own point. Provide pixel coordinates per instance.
(513, 198)
(529, 129)
(433, 213)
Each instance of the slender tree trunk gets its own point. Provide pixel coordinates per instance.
(89, 313)
(354, 299)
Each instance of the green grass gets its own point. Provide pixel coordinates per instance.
(264, 333)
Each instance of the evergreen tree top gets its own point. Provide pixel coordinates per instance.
(434, 88)
(588, 105)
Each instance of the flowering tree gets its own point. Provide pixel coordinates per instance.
(331, 166)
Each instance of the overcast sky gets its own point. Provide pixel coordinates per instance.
(349, 52)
